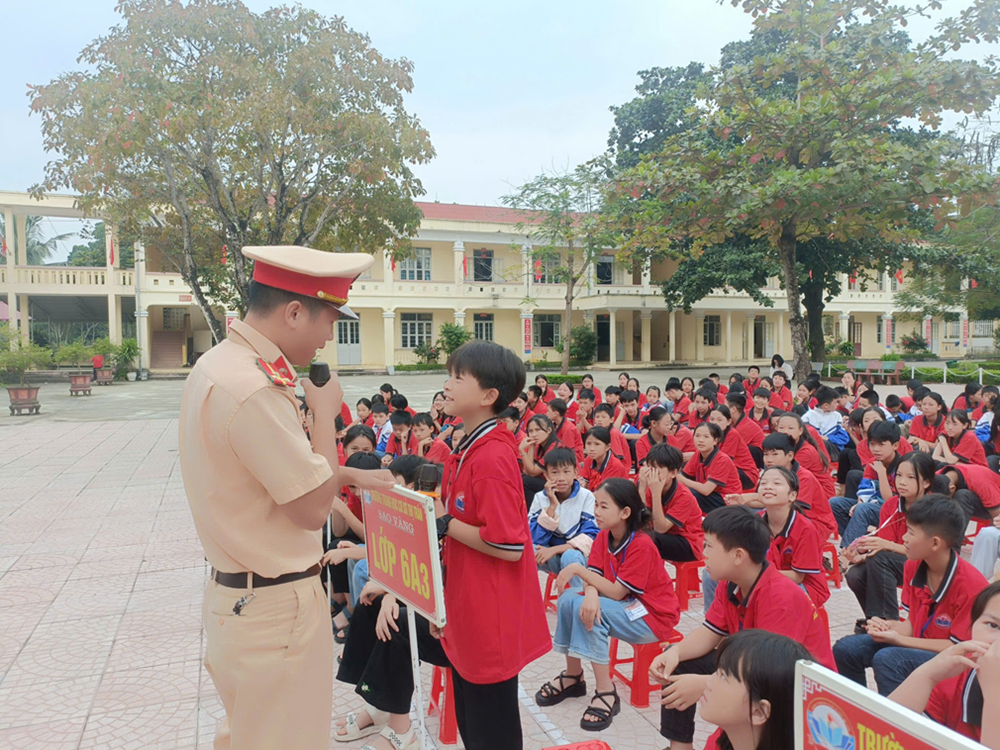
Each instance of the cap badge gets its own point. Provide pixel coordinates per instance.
(331, 298)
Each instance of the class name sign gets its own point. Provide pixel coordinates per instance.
(402, 549)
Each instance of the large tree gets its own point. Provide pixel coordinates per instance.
(93, 252)
(210, 121)
(821, 165)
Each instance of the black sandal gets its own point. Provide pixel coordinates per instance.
(340, 634)
(550, 695)
(604, 714)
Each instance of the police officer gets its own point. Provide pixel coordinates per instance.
(260, 493)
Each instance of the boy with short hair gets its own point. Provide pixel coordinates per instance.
(910, 400)
(629, 415)
(870, 399)
(604, 416)
(402, 441)
(565, 430)
(704, 401)
(381, 426)
(433, 449)
(754, 594)
(938, 590)
(752, 381)
(761, 413)
(721, 389)
(675, 394)
(827, 420)
(584, 411)
(612, 397)
(677, 530)
(747, 429)
(399, 402)
(561, 517)
(897, 411)
(487, 553)
(878, 484)
(536, 405)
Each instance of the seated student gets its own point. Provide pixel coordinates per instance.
(752, 381)
(736, 379)
(910, 400)
(535, 403)
(960, 687)
(749, 430)
(567, 393)
(986, 549)
(825, 418)
(710, 474)
(849, 460)
(604, 417)
(675, 394)
(733, 446)
(633, 385)
(402, 441)
(561, 517)
(975, 488)
(652, 399)
(612, 397)
(969, 398)
(399, 402)
(457, 434)
(779, 451)
(806, 393)
(751, 695)
(358, 439)
(381, 426)
(844, 401)
(780, 388)
(877, 485)
(584, 418)
(534, 448)
(662, 428)
(938, 590)
(925, 429)
(542, 383)
(720, 389)
(761, 414)
(364, 412)
(510, 419)
(433, 449)
(565, 428)
(755, 595)
(869, 399)
(897, 411)
(677, 528)
(983, 417)
(629, 416)
(587, 384)
(958, 443)
(987, 400)
(704, 400)
(807, 450)
(878, 557)
(991, 434)
(628, 596)
(600, 462)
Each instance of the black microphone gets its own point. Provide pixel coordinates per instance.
(319, 373)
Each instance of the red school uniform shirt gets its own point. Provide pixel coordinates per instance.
(572, 410)
(636, 564)
(395, 448)
(907, 402)
(694, 419)
(620, 447)
(776, 402)
(682, 406)
(438, 451)
(892, 520)
(718, 468)
(921, 429)
(682, 440)
(981, 480)
(722, 390)
(345, 413)
(749, 386)
(496, 619)
(570, 437)
(968, 449)
(683, 511)
(961, 403)
(787, 400)
(775, 604)
(750, 431)
(540, 407)
(947, 612)
(797, 547)
(548, 395)
(809, 459)
(890, 472)
(867, 459)
(820, 440)
(815, 503)
(644, 445)
(957, 703)
(734, 447)
(764, 423)
(610, 467)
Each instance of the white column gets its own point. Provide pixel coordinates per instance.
(388, 275)
(21, 223)
(8, 223)
(751, 319)
(845, 326)
(646, 320)
(145, 337)
(779, 345)
(699, 337)
(729, 338)
(527, 266)
(460, 318)
(23, 303)
(527, 333)
(114, 319)
(672, 343)
(613, 337)
(458, 268)
(389, 340)
(646, 276)
(963, 332)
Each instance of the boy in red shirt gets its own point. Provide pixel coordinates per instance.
(402, 441)
(584, 411)
(604, 416)
(752, 382)
(496, 619)
(938, 590)
(753, 594)
(600, 462)
(682, 404)
(433, 449)
(536, 404)
(975, 488)
(704, 400)
(677, 529)
(565, 428)
(950, 692)
(749, 430)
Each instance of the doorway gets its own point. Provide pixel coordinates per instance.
(348, 342)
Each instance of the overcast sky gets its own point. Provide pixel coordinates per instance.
(506, 90)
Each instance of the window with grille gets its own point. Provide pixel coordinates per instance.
(482, 326)
(713, 330)
(418, 267)
(547, 330)
(348, 332)
(416, 329)
(880, 336)
(173, 318)
(482, 265)
(605, 270)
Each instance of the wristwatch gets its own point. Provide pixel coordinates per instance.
(442, 525)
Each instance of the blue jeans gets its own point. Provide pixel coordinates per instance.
(557, 562)
(708, 586)
(573, 639)
(891, 664)
(841, 507)
(357, 577)
(865, 515)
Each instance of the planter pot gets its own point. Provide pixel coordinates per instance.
(105, 376)
(131, 376)
(79, 385)
(23, 399)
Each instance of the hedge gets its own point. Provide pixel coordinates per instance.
(419, 367)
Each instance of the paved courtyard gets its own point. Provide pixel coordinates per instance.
(101, 579)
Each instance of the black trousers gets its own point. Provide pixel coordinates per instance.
(532, 486)
(679, 725)
(854, 478)
(708, 503)
(337, 573)
(381, 670)
(674, 547)
(971, 505)
(874, 584)
(849, 461)
(758, 455)
(488, 716)
(746, 480)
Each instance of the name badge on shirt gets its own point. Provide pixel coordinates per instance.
(635, 610)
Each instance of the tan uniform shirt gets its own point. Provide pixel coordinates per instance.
(243, 454)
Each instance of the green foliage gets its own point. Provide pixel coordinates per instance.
(891, 357)
(105, 348)
(451, 336)
(582, 345)
(840, 347)
(40, 248)
(18, 356)
(428, 353)
(124, 357)
(420, 367)
(93, 253)
(556, 378)
(913, 343)
(75, 353)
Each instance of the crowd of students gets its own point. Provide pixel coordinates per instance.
(600, 488)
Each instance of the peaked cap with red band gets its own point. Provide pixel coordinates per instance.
(311, 273)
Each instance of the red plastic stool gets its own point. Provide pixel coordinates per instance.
(834, 573)
(642, 657)
(550, 597)
(441, 688)
(586, 745)
(687, 582)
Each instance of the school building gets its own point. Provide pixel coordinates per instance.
(469, 266)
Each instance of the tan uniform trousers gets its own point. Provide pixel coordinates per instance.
(272, 666)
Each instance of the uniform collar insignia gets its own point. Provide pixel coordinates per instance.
(279, 372)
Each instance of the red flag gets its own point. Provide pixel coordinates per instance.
(854, 278)
(899, 275)
(112, 252)
(3, 247)
(393, 264)
(225, 255)
(538, 271)
(465, 266)
(973, 283)
(810, 274)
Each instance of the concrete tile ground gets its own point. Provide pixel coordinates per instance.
(101, 576)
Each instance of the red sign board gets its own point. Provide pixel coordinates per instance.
(184, 298)
(965, 331)
(230, 317)
(928, 323)
(887, 336)
(527, 335)
(402, 549)
(833, 713)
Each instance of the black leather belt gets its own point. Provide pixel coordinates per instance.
(240, 580)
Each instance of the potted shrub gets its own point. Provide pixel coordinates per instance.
(124, 359)
(17, 356)
(76, 353)
(104, 347)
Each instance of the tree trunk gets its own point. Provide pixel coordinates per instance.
(568, 313)
(812, 298)
(787, 246)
